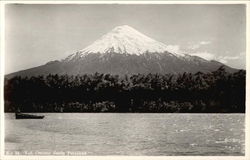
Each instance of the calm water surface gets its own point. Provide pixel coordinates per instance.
(126, 134)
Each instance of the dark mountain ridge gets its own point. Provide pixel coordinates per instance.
(121, 64)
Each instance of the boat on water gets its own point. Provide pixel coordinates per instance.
(28, 116)
(20, 115)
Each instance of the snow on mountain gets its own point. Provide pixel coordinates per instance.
(124, 40)
(125, 51)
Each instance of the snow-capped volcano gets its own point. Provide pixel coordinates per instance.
(124, 40)
(121, 51)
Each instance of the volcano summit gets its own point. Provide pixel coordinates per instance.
(124, 50)
(125, 40)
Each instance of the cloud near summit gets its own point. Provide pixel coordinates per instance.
(223, 59)
(196, 49)
(195, 46)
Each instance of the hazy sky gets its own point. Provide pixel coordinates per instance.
(36, 34)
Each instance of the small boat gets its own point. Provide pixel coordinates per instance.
(27, 116)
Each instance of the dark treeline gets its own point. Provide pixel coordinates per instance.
(215, 92)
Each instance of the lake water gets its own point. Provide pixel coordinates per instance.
(126, 134)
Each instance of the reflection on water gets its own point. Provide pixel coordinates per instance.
(126, 134)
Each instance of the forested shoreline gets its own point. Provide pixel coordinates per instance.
(214, 92)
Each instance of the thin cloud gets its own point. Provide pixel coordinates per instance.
(222, 60)
(211, 56)
(194, 47)
(231, 58)
(205, 55)
(198, 45)
(174, 48)
(205, 42)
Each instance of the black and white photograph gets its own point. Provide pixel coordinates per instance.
(124, 79)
